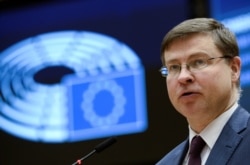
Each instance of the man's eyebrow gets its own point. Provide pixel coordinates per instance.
(171, 61)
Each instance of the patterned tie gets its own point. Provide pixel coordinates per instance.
(197, 145)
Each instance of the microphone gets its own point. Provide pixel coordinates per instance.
(100, 147)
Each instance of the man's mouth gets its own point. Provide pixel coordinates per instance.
(187, 93)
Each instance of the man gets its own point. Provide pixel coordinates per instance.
(201, 64)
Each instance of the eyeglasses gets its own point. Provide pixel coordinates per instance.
(195, 64)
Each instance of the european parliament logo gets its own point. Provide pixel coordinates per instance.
(101, 93)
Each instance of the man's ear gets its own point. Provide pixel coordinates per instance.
(236, 67)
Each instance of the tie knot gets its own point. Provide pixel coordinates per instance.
(197, 145)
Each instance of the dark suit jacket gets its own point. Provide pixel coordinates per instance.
(231, 148)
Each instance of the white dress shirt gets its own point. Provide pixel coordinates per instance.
(211, 133)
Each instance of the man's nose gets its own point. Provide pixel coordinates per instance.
(185, 76)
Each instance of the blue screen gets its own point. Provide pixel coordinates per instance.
(103, 95)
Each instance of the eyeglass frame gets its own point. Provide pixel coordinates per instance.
(164, 70)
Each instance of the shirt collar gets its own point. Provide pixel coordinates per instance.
(213, 130)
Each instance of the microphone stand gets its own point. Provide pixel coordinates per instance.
(100, 147)
(79, 161)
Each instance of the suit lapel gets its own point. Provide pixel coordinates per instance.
(176, 156)
(229, 138)
(180, 153)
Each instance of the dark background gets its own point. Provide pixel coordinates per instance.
(139, 23)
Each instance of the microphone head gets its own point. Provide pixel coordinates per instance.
(108, 142)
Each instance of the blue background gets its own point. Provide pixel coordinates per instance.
(139, 23)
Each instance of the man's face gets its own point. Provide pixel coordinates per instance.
(206, 93)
